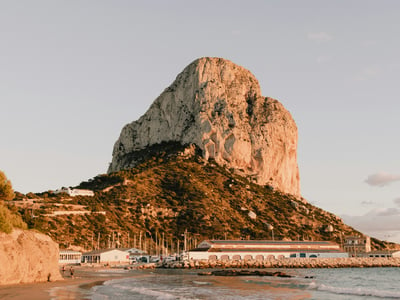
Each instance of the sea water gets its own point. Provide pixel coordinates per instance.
(327, 284)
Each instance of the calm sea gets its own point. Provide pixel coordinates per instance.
(354, 283)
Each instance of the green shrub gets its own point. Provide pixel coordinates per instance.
(8, 220)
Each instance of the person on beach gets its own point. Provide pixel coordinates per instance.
(72, 272)
(63, 270)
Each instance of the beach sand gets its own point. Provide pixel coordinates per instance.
(85, 278)
(69, 288)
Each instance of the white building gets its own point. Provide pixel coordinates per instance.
(106, 256)
(75, 192)
(357, 245)
(382, 253)
(263, 249)
(67, 257)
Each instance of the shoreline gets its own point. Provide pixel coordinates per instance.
(289, 263)
(86, 277)
(69, 288)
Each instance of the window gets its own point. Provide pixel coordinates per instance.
(236, 257)
(212, 257)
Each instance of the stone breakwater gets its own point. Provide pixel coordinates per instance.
(351, 262)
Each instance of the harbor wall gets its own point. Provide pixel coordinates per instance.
(347, 262)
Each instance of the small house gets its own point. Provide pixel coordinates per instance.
(106, 256)
(69, 257)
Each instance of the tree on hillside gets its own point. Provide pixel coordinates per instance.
(6, 190)
(8, 218)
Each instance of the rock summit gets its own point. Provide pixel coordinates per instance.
(217, 106)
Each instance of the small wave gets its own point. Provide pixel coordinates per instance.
(280, 284)
(357, 291)
(157, 294)
(113, 271)
(149, 292)
(201, 282)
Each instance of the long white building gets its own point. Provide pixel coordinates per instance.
(75, 192)
(69, 257)
(263, 249)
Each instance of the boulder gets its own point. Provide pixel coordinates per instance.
(28, 256)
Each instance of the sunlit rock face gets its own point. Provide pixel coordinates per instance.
(217, 105)
(28, 256)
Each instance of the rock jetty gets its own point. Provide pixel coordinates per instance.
(351, 262)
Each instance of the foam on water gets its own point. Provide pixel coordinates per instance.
(130, 288)
(358, 291)
(161, 295)
(328, 284)
(150, 288)
(114, 271)
(201, 282)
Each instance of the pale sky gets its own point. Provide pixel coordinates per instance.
(73, 73)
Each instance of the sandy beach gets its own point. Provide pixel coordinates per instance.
(68, 288)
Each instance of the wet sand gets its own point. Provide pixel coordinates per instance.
(86, 278)
(69, 288)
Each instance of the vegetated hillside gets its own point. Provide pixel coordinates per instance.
(172, 191)
(10, 219)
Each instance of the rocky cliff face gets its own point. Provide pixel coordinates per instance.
(27, 256)
(218, 106)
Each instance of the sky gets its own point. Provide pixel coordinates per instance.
(73, 73)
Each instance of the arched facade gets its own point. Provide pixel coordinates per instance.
(224, 257)
(263, 250)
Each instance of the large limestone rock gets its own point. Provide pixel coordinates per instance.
(27, 256)
(218, 106)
